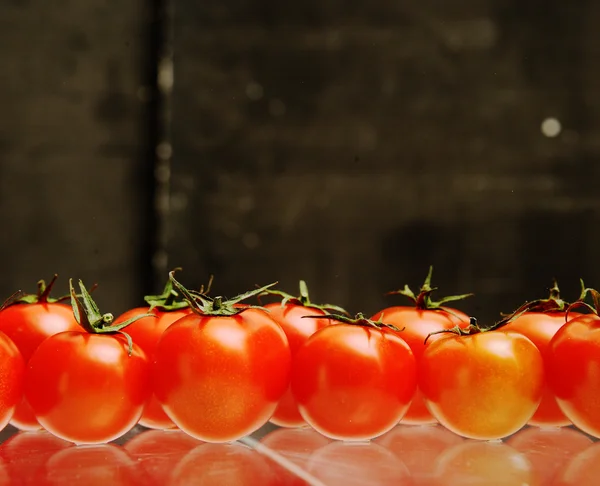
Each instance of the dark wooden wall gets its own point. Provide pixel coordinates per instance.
(348, 143)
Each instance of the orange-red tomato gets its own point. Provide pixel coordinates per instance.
(219, 378)
(86, 388)
(416, 325)
(353, 382)
(582, 470)
(297, 330)
(541, 327)
(549, 449)
(27, 325)
(482, 386)
(574, 372)
(146, 332)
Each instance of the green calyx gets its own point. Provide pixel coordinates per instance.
(88, 315)
(170, 299)
(358, 320)
(41, 297)
(304, 300)
(423, 299)
(594, 308)
(552, 304)
(204, 305)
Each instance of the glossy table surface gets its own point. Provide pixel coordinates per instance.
(407, 455)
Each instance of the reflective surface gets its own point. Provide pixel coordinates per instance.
(407, 455)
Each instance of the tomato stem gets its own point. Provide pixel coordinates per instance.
(594, 309)
(304, 300)
(358, 320)
(169, 300)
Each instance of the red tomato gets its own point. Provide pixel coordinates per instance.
(158, 452)
(540, 327)
(574, 372)
(28, 325)
(417, 324)
(86, 388)
(482, 386)
(475, 462)
(223, 464)
(298, 330)
(549, 449)
(146, 332)
(12, 368)
(219, 378)
(352, 381)
(92, 465)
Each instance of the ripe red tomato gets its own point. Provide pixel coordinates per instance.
(12, 369)
(146, 332)
(27, 322)
(220, 377)
(485, 385)
(573, 372)
(297, 330)
(353, 381)
(86, 388)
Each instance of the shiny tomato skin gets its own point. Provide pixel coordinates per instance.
(146, 333)
(27, 325)
(482, 386)
(297, 330)
(12, 371)
(353, 382)
(86, 388)
(541, 327)
(573, 372)
(417, 324)
(219, 378)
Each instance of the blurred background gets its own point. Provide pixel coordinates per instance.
(350, 144)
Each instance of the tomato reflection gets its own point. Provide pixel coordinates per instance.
(157, 452)
(92, 465)
(419, 446)
(549, 449)
(359, 463)
(223, 464)
(582, 470)
(483, 463)
(296, 446)
(26, 452)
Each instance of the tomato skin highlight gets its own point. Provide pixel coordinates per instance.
(12, 371)
(86, 388)
(353, 382)
(220, 378)
(416, 325)
(482, 386)
(574, 372)
(146, 332)
(297, 330)
(27, 325)
(541, 327)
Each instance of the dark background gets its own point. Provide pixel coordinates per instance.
(351, 144)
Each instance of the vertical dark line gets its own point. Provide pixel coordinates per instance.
(154, 130)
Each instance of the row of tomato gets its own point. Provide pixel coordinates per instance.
(220, 369)
(406, 455)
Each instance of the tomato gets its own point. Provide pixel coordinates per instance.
(91, 465)
(353, 381)
(146, 333)
(223, 464)
(574, 372)
(485, 385)
(86, 388)
(419, 446)
(290, 317)
(475, 462)
(220, 377)
(158, 452)
(27, 322)
(549, 449)
(12, 368)
(357, 464)
(417, 323)
(582, 470)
